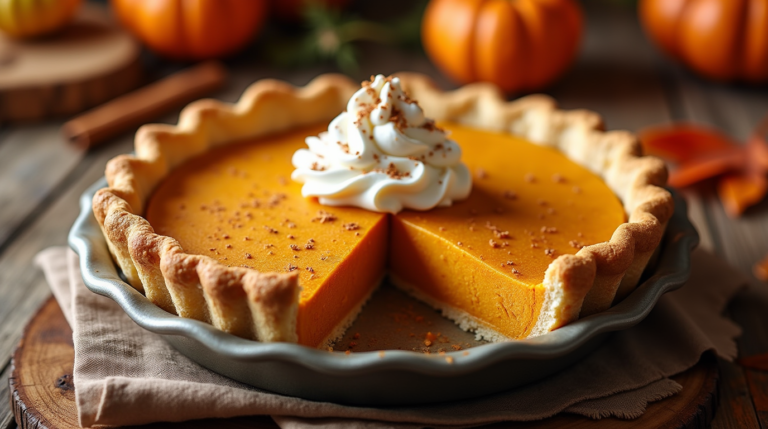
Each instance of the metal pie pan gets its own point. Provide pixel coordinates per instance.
(398, 377)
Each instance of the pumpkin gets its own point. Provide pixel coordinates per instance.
(192, 29)
(521, 45)
(31, 18)
(725, 40)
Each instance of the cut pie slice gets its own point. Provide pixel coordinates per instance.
(551, 231)
(483, 261)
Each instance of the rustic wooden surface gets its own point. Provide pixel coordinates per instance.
(42, 388)
(619, 74)
(87, 63)
(41, 385)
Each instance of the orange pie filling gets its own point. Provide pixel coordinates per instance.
(482, 260)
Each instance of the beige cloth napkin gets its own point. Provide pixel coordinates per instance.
(126, 375)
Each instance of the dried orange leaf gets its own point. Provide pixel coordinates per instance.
(703, 153)
(740, 191)
(702, 168)
(761, 269)
(683, 141)
(759, 362)
(757, 148)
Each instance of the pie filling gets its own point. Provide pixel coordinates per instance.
(484, 257)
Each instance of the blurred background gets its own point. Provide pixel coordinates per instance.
(645, 66)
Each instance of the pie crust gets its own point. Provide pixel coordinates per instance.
(264, 306)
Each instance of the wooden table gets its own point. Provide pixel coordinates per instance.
(619, 74)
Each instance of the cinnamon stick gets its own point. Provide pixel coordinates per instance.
(144, 104)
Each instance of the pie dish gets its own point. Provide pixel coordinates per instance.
(394, 376)
(270, 305)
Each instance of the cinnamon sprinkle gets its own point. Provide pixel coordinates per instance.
(351, 226)
(317, 167)
(324, 217)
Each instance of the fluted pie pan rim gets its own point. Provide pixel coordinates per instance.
(101, 276)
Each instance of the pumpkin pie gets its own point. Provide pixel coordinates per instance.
(206, 220)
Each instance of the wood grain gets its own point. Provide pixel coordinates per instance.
(33, 161)
(22, 285)
(736, 409)
(42, 388)
(91, 61)
(758, 388)
(748, 310)
(7, 419)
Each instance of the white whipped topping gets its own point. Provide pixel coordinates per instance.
(383, 155)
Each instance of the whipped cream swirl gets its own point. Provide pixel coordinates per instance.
(383, 155)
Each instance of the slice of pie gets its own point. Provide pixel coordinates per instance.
(205, 219)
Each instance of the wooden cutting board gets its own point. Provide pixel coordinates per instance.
(43, 391)
(87, 63)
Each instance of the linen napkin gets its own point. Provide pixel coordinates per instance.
(125, 375)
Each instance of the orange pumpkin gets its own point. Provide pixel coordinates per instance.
(30, 18)
(192, 29)
(721, 39)
(521, 45)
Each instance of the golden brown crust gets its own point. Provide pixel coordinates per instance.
(263, 305)
(597, 275)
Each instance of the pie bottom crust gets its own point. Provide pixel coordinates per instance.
(264, 306)
(462, 318)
